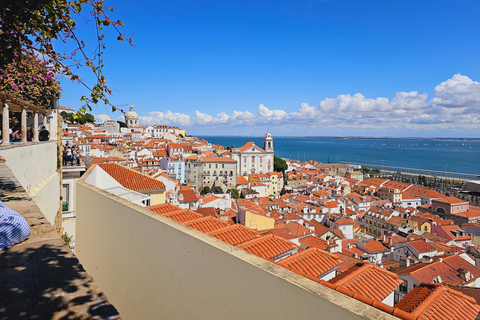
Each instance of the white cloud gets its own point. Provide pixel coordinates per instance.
(101, 118)
(458, 92)
(455, 106)
(168, 118)
(409, 101)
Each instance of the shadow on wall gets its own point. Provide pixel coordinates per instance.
(47, 282)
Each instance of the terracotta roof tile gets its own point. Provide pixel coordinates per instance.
(131, 179)
(207, 224)
(234, 234)
(369, 280)
(434, 301)
(164, 208)
(268, 246)
(183, 216)
(311, 262)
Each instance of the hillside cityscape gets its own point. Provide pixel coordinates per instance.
(239, 160)
(364, 232)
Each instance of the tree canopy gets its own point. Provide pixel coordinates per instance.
(217, 189)
(205, 190)
(82, 119)
(30, 79)
(234, 192)
(29, 28)
(279, 165)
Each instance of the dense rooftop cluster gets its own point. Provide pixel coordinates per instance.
(392, 245)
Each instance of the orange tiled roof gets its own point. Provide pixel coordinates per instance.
(312, 241)
(131, 179)
(434, 301)
(234, 234)
(183, 216)
(187, 195)
(242, 180)
(298, 230)
(424, 192)
(369, 280)
(311, 262)
(375, 246)
(268, 246)
(450, 200)
(207, 224)
(164, 208)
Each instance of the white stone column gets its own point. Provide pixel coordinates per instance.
(35, 127)
(24, 123)
(5, 124)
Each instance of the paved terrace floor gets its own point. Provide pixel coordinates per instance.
(40, 278)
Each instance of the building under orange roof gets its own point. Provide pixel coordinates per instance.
(207, 224)
(313, 262)
(164, 208)
(368, 280)
(269, 247)
(434, 301)
(183, 216)
(234, 234)
(131, 179)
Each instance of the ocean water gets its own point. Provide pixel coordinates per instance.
(461, 156)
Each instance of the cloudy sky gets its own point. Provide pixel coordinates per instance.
(318, 68)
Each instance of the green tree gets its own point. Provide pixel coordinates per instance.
(279, 165)
(122, 124)
(31, 27)
(375, 172)
(81, 119)
(217, 189)
(234, 192)
(30, 79)
(365, 170)
(205, 190)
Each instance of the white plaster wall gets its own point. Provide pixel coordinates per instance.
(389, 300)
(35, 167)
(101, 179)
(151, 267)
(31, 163)
(48, 198)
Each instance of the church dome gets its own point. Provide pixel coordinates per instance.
(131, 114)
(131, 118)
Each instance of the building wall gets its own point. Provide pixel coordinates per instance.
(35, 167)
(151, 267)
(258, 222)
(158, 198)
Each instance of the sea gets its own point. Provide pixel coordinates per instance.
(440, 155)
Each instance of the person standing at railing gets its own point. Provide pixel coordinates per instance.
(44, 135)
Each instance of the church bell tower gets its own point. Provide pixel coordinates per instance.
(268, 143)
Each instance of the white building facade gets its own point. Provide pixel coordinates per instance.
(251, 159)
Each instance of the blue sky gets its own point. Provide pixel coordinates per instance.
(320, 68)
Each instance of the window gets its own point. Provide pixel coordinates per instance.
(65, 196)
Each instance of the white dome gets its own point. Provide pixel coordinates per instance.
(131, 118)
(131, 114)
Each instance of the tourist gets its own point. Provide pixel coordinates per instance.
(13, 227)
(44, 135)
(30, 133)
(64, 155)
